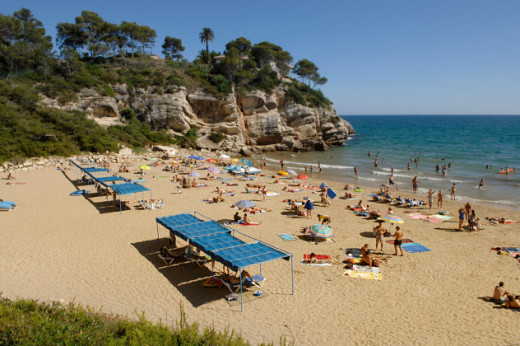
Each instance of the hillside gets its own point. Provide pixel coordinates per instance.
(83, 99)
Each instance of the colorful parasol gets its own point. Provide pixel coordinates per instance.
(321, 231)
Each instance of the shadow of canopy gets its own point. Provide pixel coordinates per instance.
(188, 281)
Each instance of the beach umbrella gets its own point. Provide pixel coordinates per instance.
(144, 167)
(195, 157)
(246, 162)
(392, 218)
(302, 177)
(234, 160)
(321, 231)
(211, 160)
(213, 170)
(224, 156)
(245, 204)
(291, 172)
(194, 174)
(153, 159)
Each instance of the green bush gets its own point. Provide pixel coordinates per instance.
(216, 137)
(27, 322)
(295, 95)
(189, 139)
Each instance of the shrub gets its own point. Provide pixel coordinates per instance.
(216, 137)
(295, 95)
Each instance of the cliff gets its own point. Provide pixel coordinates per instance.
(251, 122)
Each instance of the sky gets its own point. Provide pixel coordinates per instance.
(380, 56)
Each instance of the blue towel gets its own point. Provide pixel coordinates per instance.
(414, 247)
(286, 236)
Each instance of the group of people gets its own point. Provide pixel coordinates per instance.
(467, 213)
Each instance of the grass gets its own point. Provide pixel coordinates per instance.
(35, 323)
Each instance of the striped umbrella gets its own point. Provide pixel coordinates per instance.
(144, 167)
(321, 231)
(392, 218)
(214, 170)
(194, 174)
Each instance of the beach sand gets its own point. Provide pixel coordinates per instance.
(56, 247)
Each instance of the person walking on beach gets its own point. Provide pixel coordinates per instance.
(305, 168)
(409, 166)
(440, 197)
(452, 191)
(392, 170)
(398, 241)
(264, 163)
(462, 216)
(355, 171)
(415, 181)
(481, 184)
(281, 163)
(319, 166)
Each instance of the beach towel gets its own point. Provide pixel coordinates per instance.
(79, 193)
(355, 252)
(319, 258)
(511, 249)
(441, 216)
(414, 247)
(286, 236)
(271, 193)
(417, 216)
(315, 264)
(435, 220)
(294, 190)
(364, 272)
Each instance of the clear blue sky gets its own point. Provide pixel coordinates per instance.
(380, 56)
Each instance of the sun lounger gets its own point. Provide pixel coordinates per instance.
(258, 281)
(6, 205)
(168, 256)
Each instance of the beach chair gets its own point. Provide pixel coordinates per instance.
(194, 255)
(258, 281)
(168, 256)
(399, 201)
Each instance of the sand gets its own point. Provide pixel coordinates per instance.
(56, 247)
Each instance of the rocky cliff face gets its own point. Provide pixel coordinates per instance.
(256, 121)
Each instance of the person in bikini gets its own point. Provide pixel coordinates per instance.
(398, 241)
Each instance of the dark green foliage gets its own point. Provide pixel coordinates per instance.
(265, 79)
(175, 79)
(189, 139)
(216, 137)
(26, 322)
(311, 97)
(138, 134)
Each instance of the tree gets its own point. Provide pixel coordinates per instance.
(242, 44)
(308, 71)
(93, 27)
(267, 53)
(172, 47)
(131, 31)
(206, 35)
(70, 35)
(146, 36)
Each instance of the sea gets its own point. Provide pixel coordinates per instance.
(474, 147)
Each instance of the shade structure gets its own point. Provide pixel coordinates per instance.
(214, 170)
(220, 243)
(245, 204)
(302, 177)
(196, 157)
(144, 167)
(321, 231)
(194, 174)
(392, 218)
(291, 172)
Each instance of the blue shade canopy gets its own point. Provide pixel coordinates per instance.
(195, 157)
(108, 179)
(217, 241)
(127, 189)
(94, 169)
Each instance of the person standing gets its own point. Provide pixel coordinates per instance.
(264, 163)
(398, 241)
(309, 207)
(281, 163)
(481, 184)
(380, 233)
(440, 197)
(430, 197)
(462, 216)
(355, 171)
(415, 181)
(452, 191)
(319, 166)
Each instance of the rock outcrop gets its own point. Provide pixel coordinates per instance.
(253, 122)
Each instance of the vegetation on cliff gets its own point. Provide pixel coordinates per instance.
(96, 54)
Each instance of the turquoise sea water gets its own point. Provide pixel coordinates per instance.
(468, 142)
